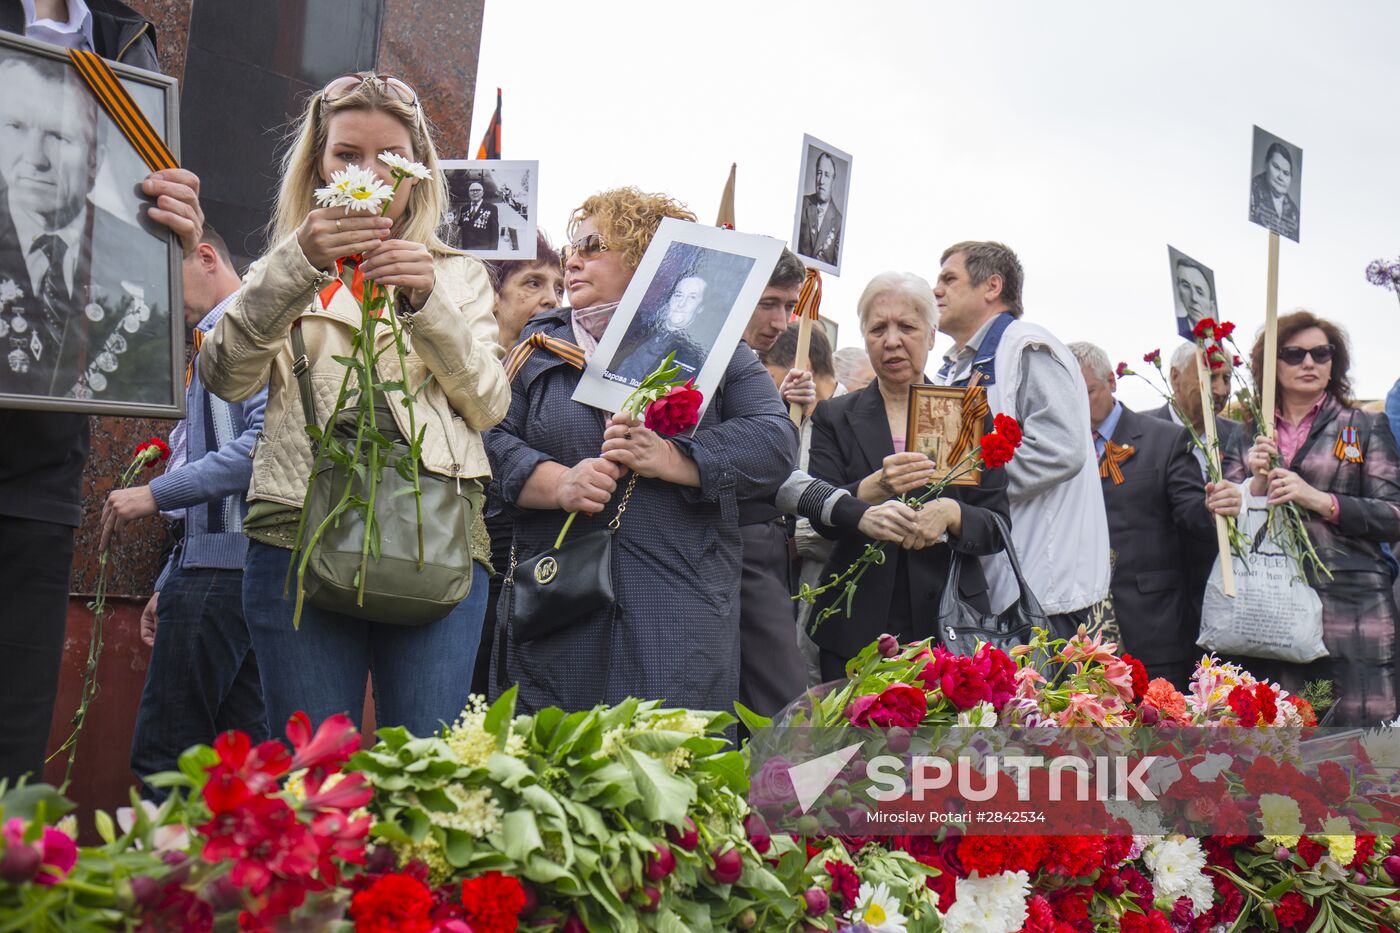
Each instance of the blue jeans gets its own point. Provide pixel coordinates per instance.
(203, 678)
(422, 673)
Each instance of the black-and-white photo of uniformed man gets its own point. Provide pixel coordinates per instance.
(1193, 291)
(84, 287)
(819, 221)
(820, 234)
(1274, 190)
(491, 207)
(669, 333)
(480, 226)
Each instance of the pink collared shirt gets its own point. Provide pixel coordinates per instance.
(1291, 436)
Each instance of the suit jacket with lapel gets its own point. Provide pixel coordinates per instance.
(850, 440)
(1155, 514)
(826, 246)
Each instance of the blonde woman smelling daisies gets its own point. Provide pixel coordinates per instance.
(444, 299)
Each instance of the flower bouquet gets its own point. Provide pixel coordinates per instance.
(364, 452)
(994, 450)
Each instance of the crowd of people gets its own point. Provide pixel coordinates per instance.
(1109, 511)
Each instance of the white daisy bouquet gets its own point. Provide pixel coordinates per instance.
(359, 189)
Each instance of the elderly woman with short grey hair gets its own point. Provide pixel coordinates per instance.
(858, 445)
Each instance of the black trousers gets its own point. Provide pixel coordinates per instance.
(36, 559)
(772, 672)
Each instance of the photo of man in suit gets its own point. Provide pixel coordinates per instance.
(1270, 203)
(1158, 513)
(819, 233)
(1195, 293)
(84, 301)
(479, 223)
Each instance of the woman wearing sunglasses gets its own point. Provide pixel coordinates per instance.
(672, 633)
(445, 300)
(1341, 467)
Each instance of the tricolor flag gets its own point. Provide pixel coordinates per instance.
(726, 202)
(491, 143)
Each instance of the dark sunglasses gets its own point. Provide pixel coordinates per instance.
(349, 84)
(585, 247)
(1293, 356)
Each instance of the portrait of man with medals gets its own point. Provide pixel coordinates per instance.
(84, 285)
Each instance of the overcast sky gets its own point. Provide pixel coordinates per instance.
(1086, 136)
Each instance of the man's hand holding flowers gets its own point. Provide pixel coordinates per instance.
(935, 518)
(1224, 498)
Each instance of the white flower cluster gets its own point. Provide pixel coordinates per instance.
(404, 168)
(677, 720)
(989, 905)
(478, 813)
(469, 741)
(1178, 870)
(355, 189)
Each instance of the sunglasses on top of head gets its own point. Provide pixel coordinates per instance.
(346, 85)
(1294, 356)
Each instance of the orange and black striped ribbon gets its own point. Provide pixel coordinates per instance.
(1348, 446)
(1113, 457)
(357, 280)
(568, 352)
(974, 418)
(105, 85)
(809, 300)
(194, 353)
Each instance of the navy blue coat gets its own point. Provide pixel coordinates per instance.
(673, 634)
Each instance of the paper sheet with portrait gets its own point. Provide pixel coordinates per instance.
(692, 294)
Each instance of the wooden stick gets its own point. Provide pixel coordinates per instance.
(1222, 535)
(802, 360)
(1270, 340)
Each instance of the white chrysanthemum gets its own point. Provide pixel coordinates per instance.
(469, 741)
(1382, 746)
(403, 167)
(9, 292)
(989, 905)
(355, 189)
(878, 909)
(478, 813)
(1178, 870)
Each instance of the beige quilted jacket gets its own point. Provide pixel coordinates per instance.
(452, 339)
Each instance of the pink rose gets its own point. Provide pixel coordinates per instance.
(772, 784)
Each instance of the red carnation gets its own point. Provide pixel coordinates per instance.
(1268, 704)
(1009, 428)
(491, 903)
(1204, 328)
(1238, 361)
(1246, 707)
(163, 451)
(393, 904)
(997, 451)
(1152, 357)
(844, 882)
(1291, 909)
(897, 705)
(675, 412)
(1122, 371)
(1310, 851)
(1224, 329)
(1140, 678)
(1305, 710)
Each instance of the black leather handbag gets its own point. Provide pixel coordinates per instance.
(961, 627)
(561, 584)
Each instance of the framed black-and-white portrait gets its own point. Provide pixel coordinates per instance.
(692, 295)
(1276, 184)
(819, 221)
(491, 207)
(935, 421)
(1193, 291)
(90, 286)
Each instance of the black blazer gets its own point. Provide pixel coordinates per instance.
(850, 440)
(1156, 518)
(1197, 561)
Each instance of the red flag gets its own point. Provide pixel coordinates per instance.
(491, 143)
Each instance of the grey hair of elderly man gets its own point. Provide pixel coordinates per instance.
(1092, 358)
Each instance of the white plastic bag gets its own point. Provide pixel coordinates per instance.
(1275, 614)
